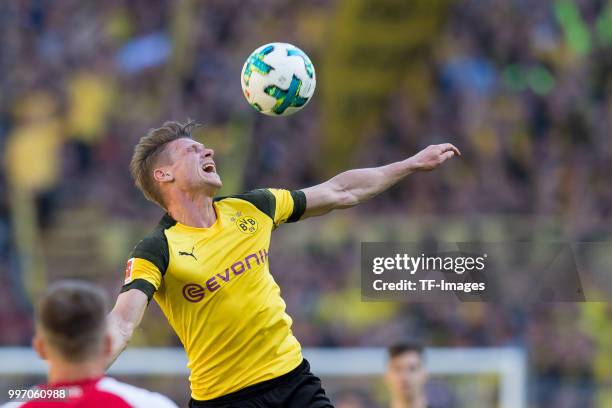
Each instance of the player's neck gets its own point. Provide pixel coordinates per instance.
(193, 211)
(62, 372)
(417, 402)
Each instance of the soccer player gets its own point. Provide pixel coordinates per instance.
(206, 264)
(71, 334)
(406, 376)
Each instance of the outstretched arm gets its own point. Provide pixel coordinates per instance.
(124, 318)
(355, 186)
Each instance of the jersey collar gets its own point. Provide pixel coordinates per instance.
(168, 222)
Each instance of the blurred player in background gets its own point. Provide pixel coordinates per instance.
(71, 334)
(406, 376)
(206, 263)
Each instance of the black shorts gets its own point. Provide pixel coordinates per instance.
(299, 388)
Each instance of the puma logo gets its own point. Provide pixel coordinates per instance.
(188, 253)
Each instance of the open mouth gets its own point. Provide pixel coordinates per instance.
(208, 168)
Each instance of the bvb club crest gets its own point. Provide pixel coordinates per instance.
(245, 223)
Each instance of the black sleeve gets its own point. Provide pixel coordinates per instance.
(142, 285)
(299, 205)
(154, 248)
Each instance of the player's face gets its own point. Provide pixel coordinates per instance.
(406, 375)
(193, 166)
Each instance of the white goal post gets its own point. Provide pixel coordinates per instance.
(510, 364)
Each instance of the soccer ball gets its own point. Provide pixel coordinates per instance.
(278, 79)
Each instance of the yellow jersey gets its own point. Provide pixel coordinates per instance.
(215, 288)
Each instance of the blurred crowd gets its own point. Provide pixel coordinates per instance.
(523, 88)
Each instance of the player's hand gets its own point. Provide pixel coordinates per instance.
(433, 156)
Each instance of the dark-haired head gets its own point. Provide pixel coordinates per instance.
(397, 349)
(71, 319)
(406, 373)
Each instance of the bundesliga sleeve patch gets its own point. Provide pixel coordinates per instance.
(128, 271)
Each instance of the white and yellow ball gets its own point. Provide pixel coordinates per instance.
(278, 79)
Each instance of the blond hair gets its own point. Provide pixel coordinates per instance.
(150, 153)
